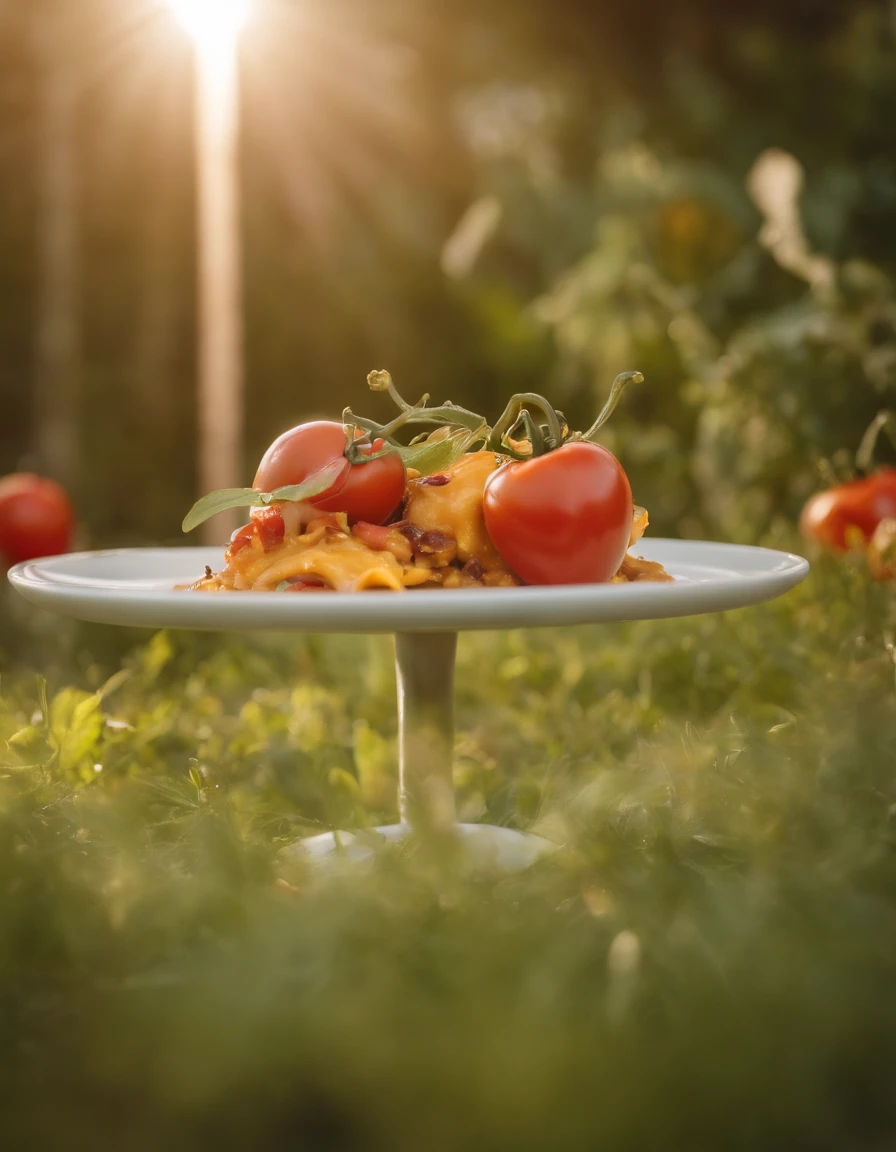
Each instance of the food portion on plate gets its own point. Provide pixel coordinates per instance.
(351, 506)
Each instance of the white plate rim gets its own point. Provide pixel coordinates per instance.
(710, 577)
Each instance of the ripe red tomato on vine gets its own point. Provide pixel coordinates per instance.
(561, 512)
(850, 513)
(367, 490)
(856, 514)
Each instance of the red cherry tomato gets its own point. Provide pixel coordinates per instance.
(36, 518)
(369, 492)
(850, 512)
(561, 518)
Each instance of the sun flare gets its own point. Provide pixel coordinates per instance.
(214, 25)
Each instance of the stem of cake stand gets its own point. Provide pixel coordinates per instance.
(424, 673)
(424, 665)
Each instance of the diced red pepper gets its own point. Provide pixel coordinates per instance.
(383, 538)
(241, 539)
(375, 536)
(306, 584)
(271, 528)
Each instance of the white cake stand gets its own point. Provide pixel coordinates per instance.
(136, 587)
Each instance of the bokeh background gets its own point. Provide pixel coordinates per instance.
(482, 198)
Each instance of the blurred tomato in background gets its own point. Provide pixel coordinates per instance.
(36, 518)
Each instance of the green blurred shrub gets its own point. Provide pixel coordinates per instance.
(709, 954)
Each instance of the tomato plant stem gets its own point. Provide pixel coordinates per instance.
(527, 402)
(883, 421)
(619, 386)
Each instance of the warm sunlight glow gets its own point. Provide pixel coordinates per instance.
(213, 24)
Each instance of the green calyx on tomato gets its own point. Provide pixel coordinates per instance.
(848, 514)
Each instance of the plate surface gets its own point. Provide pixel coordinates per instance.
(135, 586)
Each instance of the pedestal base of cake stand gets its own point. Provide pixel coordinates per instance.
(487, 847)
(425, 679)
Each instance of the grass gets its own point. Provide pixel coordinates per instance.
(708, 962)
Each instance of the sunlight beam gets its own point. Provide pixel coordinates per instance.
(215, 26)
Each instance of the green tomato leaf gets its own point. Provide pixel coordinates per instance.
(316, 483)
(436, 455)
(226, 498)
(216, 502)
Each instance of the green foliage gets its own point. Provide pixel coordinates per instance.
(713, 939)
(748, 391)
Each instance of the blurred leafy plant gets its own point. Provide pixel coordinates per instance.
(763, 356)
(717, 926)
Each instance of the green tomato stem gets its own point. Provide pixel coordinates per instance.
(619, 386)
(883, 422)
(509, 418)
(353, 422)
(532, 432)
(527, 416)
(381, 381)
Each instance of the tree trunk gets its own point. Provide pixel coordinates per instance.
(153, 367)
(220, 282)
(57, 339)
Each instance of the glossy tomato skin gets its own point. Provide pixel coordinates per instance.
(299, 452)
(371, 492)
(562, 518)
(368, 492)
(36, 518)
(833, 518)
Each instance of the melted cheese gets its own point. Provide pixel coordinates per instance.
(635, 570)
(342, 562)
(640, 523)
(455, 508)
